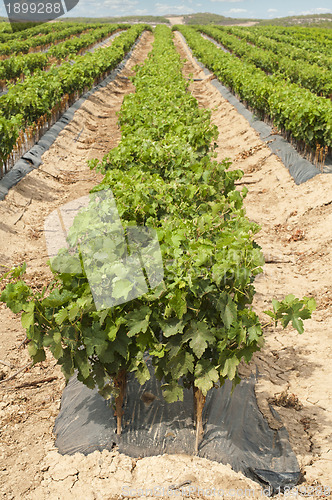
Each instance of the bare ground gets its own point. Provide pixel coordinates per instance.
(296, 370)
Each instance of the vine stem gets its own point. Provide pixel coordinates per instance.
(199, 402)
(120, 382)
(268, 324)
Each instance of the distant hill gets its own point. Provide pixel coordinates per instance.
(318, 20)
(207, 18)
(315, 20)
(122, 19)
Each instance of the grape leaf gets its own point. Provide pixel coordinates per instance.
(172, 392)
(206, 375)
(199, 336)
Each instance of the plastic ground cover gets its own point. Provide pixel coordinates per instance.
(235, 431)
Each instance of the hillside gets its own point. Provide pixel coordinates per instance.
(208, 18)
(316, 20)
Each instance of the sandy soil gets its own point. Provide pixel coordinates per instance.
(175, 20)
(296, 234)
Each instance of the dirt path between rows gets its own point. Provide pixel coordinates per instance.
(296, 234)
(296, 240)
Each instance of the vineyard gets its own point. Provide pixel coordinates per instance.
(283, 92)
(234, 255)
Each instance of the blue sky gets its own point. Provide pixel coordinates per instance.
(231, 8)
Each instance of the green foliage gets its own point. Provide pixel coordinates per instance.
(292, 309)
(22, 42)
(306, 116)
(198, 324)
(39, 93)
(20, 65)
(306, 74)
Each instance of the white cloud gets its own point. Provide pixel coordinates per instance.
(318, 10)
(272, 10)
(161, 8)
(228, 1)
(116, 4)
(237, 11)
(141, 12)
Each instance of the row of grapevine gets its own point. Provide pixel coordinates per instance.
(312, 40)
(30, 31)
(40, 95)
(299, 112)
(197, 324)
(21, 65)
(281, 49)
(76, 44)
(310, 76)
(38, 42)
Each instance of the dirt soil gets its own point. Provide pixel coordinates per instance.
(175, 20)
(295, 370)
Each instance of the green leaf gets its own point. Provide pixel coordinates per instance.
(311, 304)
(276, 305)
(16, 295)
(122, 288)
(39, 356)
(181, 364)
(142, 373)
(120, 345)
(171, 327)
(254, 333)
(200, 337)
(172, 392)
(158, 351)
(206, 375)
(73, 311)
(107, 355)
(61, 316)
(95, 339)
(57, 337)
(112, 330)
(298, 324)
(57, 351)
(67, 363)
(230, 367)
(107, 391)
(82, 363)
(138, 321)
(178, 303)
(32, 349)
(27, 319)
(58, 298)
(228, 310)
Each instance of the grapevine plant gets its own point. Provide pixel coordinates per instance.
(20, 65)
(197, 324)
(296, 110)
(39, 94)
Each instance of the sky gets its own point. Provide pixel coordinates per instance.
(261, 9)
